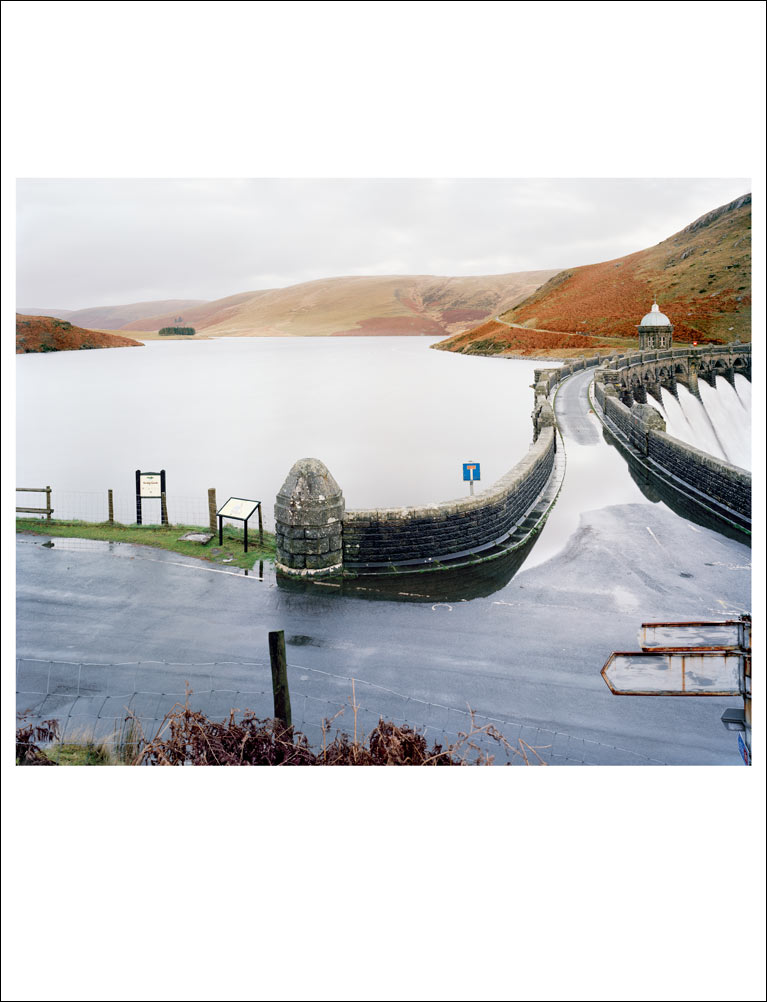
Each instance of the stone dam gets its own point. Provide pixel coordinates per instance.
(318, 537)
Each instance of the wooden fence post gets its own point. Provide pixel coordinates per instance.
(260, 526)
(280, 677)
(111, 505)
(212, 508)
(48, 503)
(163, 509)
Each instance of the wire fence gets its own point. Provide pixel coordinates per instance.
(92, 701)
(93, 506)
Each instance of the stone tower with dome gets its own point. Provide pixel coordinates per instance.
(655, 330)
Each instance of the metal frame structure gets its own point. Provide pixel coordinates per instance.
(732, 718)
(256, 507)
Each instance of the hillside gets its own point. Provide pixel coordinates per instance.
(115, 317)
(701, 277)
(52, 334)
(420, 304)
(34, 311)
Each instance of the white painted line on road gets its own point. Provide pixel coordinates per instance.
(654, 536)
(191, 567)
(174, 563)
(725, 609)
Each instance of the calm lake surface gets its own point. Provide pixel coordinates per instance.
(392, 420)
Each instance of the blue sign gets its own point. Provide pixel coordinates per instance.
(743, 750)
(471, 471)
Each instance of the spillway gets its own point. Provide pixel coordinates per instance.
(719, 423)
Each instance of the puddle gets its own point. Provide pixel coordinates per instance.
(67, 543)
(130, 551)
(300, 640)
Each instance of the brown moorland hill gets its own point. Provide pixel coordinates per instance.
(701, 277)
(52, 334)
(498, 338)
(39, 311)
(114, 317)
(412, 304)
(205, 315)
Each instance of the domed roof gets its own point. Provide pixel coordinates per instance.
(655, 318)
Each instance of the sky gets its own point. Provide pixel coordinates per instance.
(100, 242)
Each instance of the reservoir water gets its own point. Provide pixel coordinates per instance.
(392, 420)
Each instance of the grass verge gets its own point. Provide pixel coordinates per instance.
(161, 537)
(76, 754)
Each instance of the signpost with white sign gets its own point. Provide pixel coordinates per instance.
(242, 510)
(151, 485)
(471, 473)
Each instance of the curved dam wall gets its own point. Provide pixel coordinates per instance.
(719, 487)
(317, 536)
(547, 380)
(426, 533)
(642, 373)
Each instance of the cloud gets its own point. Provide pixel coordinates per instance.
(97, 242)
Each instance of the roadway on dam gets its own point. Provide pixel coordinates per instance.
(520, 646)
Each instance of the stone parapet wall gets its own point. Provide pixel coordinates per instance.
(719, 486)
(427, 532)
(700, 354)
(550, 378)
(316, 536)
(628, 421)
(638, 375)
(724, 483)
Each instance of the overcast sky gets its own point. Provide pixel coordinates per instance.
(89, 242)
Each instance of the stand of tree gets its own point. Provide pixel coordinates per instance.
(169, 331)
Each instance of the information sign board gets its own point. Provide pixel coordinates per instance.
(240, 508)
(150, 485)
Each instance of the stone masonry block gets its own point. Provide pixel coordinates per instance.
(309, 510)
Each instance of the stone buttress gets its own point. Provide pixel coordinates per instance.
(309, 513)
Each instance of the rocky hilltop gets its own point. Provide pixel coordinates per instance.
(52, 334)
(701, 277)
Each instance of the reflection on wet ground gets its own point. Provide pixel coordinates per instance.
(264, 570)
(596, 476)
(460, 585)
(656, 490)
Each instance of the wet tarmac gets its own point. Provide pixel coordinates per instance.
(522, 645)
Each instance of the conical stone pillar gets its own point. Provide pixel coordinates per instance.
(309, 513)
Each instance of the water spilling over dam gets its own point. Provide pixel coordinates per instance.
(719, 422)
